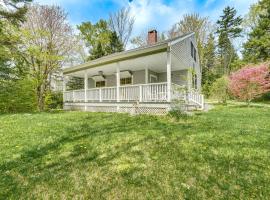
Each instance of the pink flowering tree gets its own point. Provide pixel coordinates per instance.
(250, 82)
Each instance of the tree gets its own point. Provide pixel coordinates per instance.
(47, 40)
(208, 64)
(250, 82)
(97, 52)
(99, 39)
(257, 48)
(251, 20)
(13, 10)
(228, 29)
(12, 13)
(209, 52)
(220, 89)
(122, 23)
(115, 44)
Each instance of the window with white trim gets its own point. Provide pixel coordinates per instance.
(126, 81)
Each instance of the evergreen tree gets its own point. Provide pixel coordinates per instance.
(208, 63)
(97, 52)
(209, 52)
(257, 48)
(228, 29)
(12, 13)
(15, 15)
(115, 45)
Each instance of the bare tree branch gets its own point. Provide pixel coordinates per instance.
(122, 23)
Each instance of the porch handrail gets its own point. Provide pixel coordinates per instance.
(152, 92)
(196, 97)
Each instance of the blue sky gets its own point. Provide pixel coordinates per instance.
(159, 14)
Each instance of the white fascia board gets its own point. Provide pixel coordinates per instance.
(180, 39)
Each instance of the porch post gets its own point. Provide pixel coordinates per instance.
(85, 89)
(146, 75)
(118, 83)
(169, 78)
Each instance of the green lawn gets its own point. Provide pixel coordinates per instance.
(222, 154)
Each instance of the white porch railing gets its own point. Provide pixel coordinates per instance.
(153, 92)
(196, 97)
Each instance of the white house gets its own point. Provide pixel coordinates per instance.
(141, 80)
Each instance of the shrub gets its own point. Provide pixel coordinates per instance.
(249, 83)
(219, 89)
(54, 100)
(178, 114)
(17, 96)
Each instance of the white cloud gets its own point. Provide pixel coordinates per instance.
(156, 14)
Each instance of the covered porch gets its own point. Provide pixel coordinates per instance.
(149, 80)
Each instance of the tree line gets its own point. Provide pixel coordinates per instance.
(37, 41)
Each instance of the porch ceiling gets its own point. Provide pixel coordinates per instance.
(155, 62)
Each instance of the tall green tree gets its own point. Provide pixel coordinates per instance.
(99, 39)
(257, 48)
(47, 42)
(209, 52)
(228, 29)
(12, 14)
(115, 45)
(208, 64)
(97, 52)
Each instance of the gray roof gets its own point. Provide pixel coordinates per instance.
(129, 54)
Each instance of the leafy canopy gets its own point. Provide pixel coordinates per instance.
(257, 48)
(100, 39)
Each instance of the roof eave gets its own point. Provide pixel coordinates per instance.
(131, 54)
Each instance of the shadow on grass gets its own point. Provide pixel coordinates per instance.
(20, 176)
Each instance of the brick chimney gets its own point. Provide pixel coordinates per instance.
(152, 37)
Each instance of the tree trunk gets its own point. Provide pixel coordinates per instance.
(40, 98)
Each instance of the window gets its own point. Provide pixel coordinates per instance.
(100, 83)
(126, 81)
(192, 47)
(193, 51)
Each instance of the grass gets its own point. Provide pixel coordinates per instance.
(222, 154)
